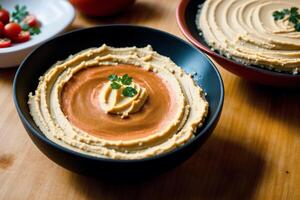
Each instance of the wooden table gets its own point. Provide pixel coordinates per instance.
(254, 152)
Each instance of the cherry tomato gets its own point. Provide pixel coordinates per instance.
(31, 20)
(4, 16)
(1, 28)
(12, 30)
(5, 42)
(24, 36)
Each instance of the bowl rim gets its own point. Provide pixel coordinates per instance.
(37, 133)
(69, 18)
(180, 18)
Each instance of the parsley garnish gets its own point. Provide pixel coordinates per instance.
(126, 80)
(115, 85)
(297, 27)
(32, 30)
(19, 13)
(294, 16)
(117, 82)
(278, 15)
(129, 92)
(113, 77)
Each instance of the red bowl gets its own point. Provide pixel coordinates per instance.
(186, 16)
(100, 8)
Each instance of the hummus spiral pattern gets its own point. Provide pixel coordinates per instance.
(246, 31)
(184, 106)
(112, 101)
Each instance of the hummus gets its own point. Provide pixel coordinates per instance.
(247, 32)
(76, 106)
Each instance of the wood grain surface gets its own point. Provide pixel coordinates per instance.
(253, 153)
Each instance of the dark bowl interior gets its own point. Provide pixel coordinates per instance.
(59, 48)
(186, 17)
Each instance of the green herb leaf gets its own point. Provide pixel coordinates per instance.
(19, 13)
(117, 82)
(293, 20)
(34, 30)
(278, 15)
(113, 77)
(126, 80)
(294, 16)
(115, 85)
(294, 10)
(129, 92)
(286, 11)
(297, 27)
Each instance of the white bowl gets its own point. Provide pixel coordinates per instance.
(54, 15)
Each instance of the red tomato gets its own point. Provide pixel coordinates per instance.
(5, 42)
(12, 30)
(31, 20)
(4, 16)
(101, 7)
(1, 28)
(24, 36)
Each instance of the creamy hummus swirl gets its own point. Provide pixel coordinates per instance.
(112, 100)
(247, 32)
(74, 107)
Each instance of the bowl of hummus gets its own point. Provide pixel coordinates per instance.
(256, 40)
(115, 103)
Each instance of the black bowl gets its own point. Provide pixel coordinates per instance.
(186, 17)
(59, 48)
